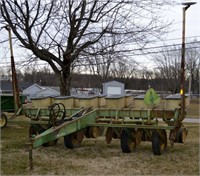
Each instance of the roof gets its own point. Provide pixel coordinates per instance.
(34, 86)
(114, 83)
(47, 89)
(7, 85)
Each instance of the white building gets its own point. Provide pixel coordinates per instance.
(113, 88)
(39, 91)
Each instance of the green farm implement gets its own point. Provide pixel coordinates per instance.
(7, 106)
(130, 124)
(128, 119)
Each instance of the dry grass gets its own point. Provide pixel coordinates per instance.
(194, 108)
(95, 157)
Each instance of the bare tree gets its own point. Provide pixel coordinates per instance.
(168, 66)
(193, 65)
(5, 73)
(61, 32)
(124, 68)
(105, 55)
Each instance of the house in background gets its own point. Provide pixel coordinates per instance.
(35, 91)
(6, 86)
(47, 91)
(113, 88)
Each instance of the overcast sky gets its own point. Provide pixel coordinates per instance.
(192, 21)
(175, 14)
(174, 37)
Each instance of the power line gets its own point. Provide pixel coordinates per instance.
(154, 47)
(156, 52)
(166, 46)
(129, 50)
(181, 38)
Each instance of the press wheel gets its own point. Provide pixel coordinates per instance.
(159, 142)
(128, 143)
(138, 136)
(109, 134)
(181, 135)
(94, 132)
(73, 140)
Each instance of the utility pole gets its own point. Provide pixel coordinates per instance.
(14, 76)
(182, 91)
(178, 123)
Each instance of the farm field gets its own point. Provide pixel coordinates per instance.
(95, 157)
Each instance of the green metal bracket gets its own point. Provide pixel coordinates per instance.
(64, 129)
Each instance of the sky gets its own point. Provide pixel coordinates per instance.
(175, 14)
(174, 36)
(192, 26)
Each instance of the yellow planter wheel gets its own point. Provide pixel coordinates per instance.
(3, 120)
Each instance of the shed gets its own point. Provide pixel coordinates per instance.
(113, 88)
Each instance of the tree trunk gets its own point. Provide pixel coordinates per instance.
(65, 81)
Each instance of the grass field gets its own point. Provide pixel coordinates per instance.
(95, 157)
(194, 108)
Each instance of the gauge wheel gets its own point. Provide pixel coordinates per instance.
(181, 135)
(109, 134)
(138, 136)
(87, 135)
(3, 120)
(94, 132)
(72, 140)
(159, 142)
(128, 143)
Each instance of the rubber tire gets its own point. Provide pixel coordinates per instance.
(181, 135)
(126, 141)
(138, 136)
(4, 120)
(94, 132)
(157, 143)
(109, 134)
(87, 134)
(71, 141)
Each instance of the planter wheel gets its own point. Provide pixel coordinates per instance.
(3, 120)
(73, 140)
(128, 143)
(159, 142)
